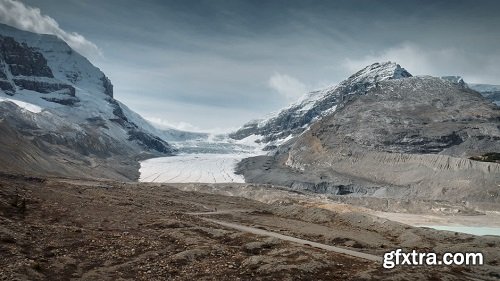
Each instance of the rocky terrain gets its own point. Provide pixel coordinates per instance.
(62, 229)
(408, 138)
(491, 92)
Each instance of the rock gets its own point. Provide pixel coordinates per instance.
(7, 236)
(108, 87)
(166, 223)
(44, 86)
(258, 246)
(22, 60)
(353, 244)
(187, 256)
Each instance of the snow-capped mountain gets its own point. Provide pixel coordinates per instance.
(65, 106)
(419, 137)
(296, 118)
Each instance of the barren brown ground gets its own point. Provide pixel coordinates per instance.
(64, 229)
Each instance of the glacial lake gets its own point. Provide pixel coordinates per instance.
(475, 230)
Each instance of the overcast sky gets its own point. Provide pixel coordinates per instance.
(215, 64)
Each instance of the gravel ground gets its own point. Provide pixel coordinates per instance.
(66, 229)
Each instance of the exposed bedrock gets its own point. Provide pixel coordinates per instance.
(406, 138)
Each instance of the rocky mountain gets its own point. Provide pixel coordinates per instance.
(411, 137)
(296, 118)
(58, 113)
(490, 92)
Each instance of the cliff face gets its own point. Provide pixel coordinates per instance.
(24, 68)
(415, 115)
(55, 100)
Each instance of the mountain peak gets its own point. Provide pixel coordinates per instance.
(315, 105)
(75, 114)
(379, 71)
(455, 80)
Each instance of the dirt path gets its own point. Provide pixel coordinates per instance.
(220, 212)
(304, 242)
(258, 231)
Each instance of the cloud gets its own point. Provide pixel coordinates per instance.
(287, 86)
(408, 55)
(161, 123)
(19, 15)
(164, 124)
(473, 66)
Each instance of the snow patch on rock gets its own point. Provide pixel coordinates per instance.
(27, 106)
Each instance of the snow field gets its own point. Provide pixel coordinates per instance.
(27, 106)
(206, 168)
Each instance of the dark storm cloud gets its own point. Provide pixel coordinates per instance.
(201, 61)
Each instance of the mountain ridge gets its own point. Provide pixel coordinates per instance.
(404, 138)
(293, 120)
(77, 117)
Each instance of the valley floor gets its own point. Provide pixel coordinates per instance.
(61, 229)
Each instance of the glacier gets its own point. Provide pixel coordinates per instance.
(209, 160)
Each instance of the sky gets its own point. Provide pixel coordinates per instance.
(213, 65)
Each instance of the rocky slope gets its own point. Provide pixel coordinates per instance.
(295, 119)
(404, 138)
(415, 115)
(490, 92)
(56, 105)
(57, 229)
